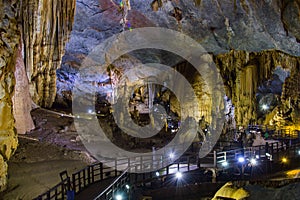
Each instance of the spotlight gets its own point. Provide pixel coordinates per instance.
(157, 174)
(257, 156)
(90, 111)
(253, 161)
(119, 197)
(267, 154)
(127, 187)
(171, 155)
(178, 175)
(299, 152)
(224, 164)
(284, 160)
(241, 159)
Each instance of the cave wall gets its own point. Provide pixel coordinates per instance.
(243, 72)
(46, 26)
(9, 40)
(42, 28)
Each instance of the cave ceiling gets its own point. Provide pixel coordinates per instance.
(239, 34)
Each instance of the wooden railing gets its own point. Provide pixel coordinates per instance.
(59, 191)
(141, 169)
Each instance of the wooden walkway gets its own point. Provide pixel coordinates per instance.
(95, 179)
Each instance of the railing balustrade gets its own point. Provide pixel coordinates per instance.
(131, 168)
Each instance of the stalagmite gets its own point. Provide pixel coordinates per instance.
(21, 100)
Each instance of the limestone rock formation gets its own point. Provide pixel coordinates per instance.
(243, 72)
(9, 40)
(248, 40)
(46, 26)
(22, 101)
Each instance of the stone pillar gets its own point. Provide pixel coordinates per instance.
(21, 100)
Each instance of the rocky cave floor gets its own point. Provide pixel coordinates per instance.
(52, 147)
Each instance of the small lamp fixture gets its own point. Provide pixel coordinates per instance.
(178, 175)
(284, 160)
(224, 164)
(253, 161)
(241, 159)
(119, 197)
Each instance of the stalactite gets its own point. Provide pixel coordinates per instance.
(245, 71)
(46, 27)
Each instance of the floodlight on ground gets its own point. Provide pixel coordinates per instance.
(253, 161)
(224, 164)
(119, 197)
(90, 111)
(241, 159)
(178, 175)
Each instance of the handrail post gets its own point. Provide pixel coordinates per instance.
(128, 163)
(74, 182)
(116, 170)
(272, 149)
(215, 158)
(79, 181)
(141, 160)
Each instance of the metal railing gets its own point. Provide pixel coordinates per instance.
(141, 169)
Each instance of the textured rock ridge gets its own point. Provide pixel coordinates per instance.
(46, 26)
(22, 102)
(243, 72)
(9, 40)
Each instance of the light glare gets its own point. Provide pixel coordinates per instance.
(265, 107)
(241, 159)
(253, 161)
(119, 197)
(171, 155)
(225, 164)
(284, 160)
(178, 175)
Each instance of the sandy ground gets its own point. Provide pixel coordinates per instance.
(52, 147)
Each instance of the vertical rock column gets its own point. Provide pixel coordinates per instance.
(46, 28)
(243, 72)
(22, 102)
(9, 39)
